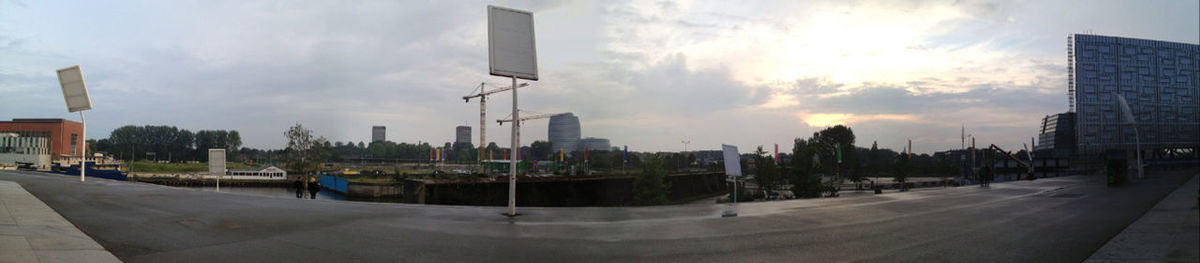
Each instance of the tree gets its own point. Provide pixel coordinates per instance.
(233, 141)
(827, 143)
(902, 169)
(382, 149)
(873, 161)
(945, 166)
(304, 154)
(650, 187)
(766, 174)
(805, 182)
(540, 150)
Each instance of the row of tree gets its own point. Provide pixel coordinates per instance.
(830, 152)
(165, 143)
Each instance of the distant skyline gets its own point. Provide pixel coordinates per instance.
(647, 74)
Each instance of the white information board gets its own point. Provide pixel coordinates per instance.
(733, 164)
(73, 88)
(216, 162)
(512, 51)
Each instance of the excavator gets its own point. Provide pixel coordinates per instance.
(1028, 165)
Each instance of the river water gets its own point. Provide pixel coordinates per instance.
(288, 192)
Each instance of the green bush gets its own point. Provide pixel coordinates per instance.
(650, 187)
(153, 167)
(831, 188)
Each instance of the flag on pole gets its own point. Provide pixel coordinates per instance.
(585, 150)
(506, 154)
(561, 155)
(625, 156)
(839, 152)
(776, 153)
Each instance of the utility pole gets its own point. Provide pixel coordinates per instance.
(685, 144)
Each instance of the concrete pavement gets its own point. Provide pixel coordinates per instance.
(1062, 219)
(32, 232)
(1169, 232)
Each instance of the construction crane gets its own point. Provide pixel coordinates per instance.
(1028, 166)
(531, 116)
(482, 95)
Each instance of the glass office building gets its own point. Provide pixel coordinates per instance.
(1158, 79)
(1057, 136)
(564, 133)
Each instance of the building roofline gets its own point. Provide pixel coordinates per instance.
(39, 120)
(1134, 38)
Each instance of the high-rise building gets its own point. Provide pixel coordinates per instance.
(564, 132)
(1160, 80)
(462, 134)
(378, 133)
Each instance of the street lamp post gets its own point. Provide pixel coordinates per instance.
(1136, 138)
(76, 94)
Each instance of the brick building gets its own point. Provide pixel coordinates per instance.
(63, 135)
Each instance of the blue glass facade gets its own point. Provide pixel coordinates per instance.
(1158, 79)
(564, 133)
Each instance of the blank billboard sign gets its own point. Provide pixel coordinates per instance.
(511, 48)
(733, 164)
(216, 162)
(74, 91)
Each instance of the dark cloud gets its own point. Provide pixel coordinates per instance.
(696, 92)
(341, 67)
(813, 86)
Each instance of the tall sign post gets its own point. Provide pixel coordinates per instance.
(512, 52)
(216, 164)
(76, 94)
(733, 168)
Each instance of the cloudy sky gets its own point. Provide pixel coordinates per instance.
(647, 74)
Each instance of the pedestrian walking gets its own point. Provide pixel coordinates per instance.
(299, 185)
(313, 187)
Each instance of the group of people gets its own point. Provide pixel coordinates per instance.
(312, 185)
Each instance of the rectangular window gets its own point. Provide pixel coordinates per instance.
(74, 143)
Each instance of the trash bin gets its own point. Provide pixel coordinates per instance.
(1116, 172)
(1116, 167)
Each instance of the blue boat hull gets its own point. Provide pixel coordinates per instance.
(112, 174)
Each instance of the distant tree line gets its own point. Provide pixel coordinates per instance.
(166, 143)
(817, 156)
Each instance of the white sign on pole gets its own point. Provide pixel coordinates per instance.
(74, 91)
(216, 164)
(512, 51)
(733, 164)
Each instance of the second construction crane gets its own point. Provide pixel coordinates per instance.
(533, 116)
(482, 95)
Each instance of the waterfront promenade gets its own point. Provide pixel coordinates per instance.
(32, 232)
(1063, 219)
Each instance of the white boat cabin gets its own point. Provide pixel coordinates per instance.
(262, 173)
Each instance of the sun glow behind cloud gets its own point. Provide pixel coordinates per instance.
(847, 43)
(819, 120)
